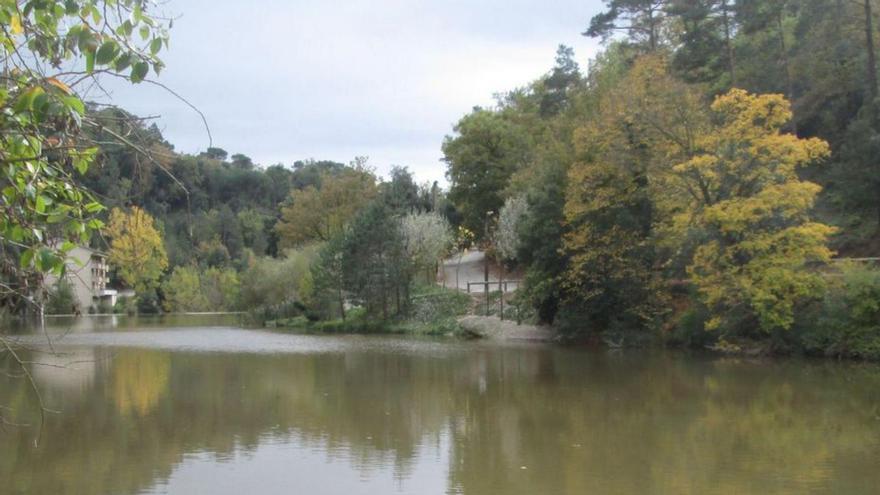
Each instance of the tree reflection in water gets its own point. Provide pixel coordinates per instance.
(514, 420)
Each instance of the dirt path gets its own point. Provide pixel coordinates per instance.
(470, 268)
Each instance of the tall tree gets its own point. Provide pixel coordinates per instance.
(641, 20)
(705, 51)
(753, 211)
(136, 249)
(481, 159)
(562, 80)
(374, 261)
(620, 195)
(320, 213)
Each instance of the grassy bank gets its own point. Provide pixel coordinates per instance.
(433, 310)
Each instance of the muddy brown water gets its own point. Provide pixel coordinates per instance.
(199, 405)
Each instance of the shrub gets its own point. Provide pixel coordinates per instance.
(847, 322)
(191, 289)
(104, 307)
(61, 299)
(148, 302)
(277, 287)
(125, 305)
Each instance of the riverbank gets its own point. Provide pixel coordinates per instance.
(433, 310)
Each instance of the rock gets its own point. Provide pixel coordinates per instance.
(492, 327)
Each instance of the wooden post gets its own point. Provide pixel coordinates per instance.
(486, 278)
(501, 289)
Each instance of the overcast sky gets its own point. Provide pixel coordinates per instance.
(282, 80)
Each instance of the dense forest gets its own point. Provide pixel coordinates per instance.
(708, 179)
(215, 232)
(696, 182)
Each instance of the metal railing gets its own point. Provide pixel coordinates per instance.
(495, 283)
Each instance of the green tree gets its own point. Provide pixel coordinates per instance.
(183, 291)
(221, 288)
(328, 275)
(563, 79)
(62, 300)
(540, 250)
(276, 282)
(481, 158)
(375, 267)
(401, 193)
(641, 20)
(706, 52)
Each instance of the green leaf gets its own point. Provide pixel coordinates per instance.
(26, 100)
(145, 32)
(106, 53)
(26, 257)
(87, 41)
(123, 62)
(155, 46)
(74, 104)
(47, 260)
(17, 233)
(139, 71)
(90, 61)
(126, 28)
(96, 15)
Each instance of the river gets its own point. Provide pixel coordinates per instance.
(197, 405)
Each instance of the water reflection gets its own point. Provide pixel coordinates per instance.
(63, 325)
(355, 415)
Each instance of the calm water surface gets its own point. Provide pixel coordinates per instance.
(162, 406)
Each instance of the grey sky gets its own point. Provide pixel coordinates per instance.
(286, 80)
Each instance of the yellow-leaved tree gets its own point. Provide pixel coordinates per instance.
(751, 209)
(136, 248)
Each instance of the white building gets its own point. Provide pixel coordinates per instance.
(87, 274)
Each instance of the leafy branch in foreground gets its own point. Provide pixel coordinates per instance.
(49, 50)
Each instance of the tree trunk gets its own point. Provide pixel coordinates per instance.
(341, 304)
(869, 44)
(731, 61)
(871, 73)
(783, 56)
